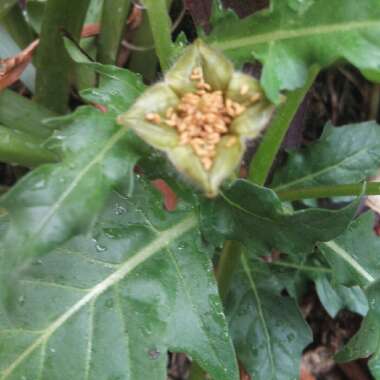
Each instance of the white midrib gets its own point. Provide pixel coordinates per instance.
(110, 143)
(280, 35)
(320, 172)
(260, 314)
(163, 239)
(348, 258)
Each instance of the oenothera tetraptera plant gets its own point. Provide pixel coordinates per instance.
(99, 280)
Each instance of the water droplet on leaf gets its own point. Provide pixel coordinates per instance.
(120, 210)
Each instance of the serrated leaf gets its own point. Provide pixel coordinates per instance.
(118, 87)
(288, 44)
(367, 340)
(339, 297)
(48, 206)
(342, 155)
(256, 217)
(354, 254)
(57, 201)
(110, 305)
(268, 329)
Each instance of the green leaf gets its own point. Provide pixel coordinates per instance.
(342, 155)
(118, 87)
(52, 62)
(367, 341)
(268, 329)
(110, 305)
(256, 217)
(21, 148)
(288, 44)
(18, 112)
(35, 11)
(339, 297)
(57, 201)
(300, 6)
(354, 254)
(17, 26)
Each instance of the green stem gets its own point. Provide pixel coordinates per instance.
(23, 149)
(53, 63)
(114, 18)
(144, 62)
(354, 189)
(5, 6)
(160, 24)
(17, 27)
(271, 144)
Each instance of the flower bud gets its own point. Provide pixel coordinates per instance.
(201, 115)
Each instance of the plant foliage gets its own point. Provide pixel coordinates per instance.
(100, 279)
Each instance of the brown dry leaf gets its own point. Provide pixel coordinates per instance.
(12, 68)
(135, 18)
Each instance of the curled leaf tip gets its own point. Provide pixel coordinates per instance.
(201, 115)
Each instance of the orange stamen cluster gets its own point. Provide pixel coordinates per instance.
(202, 118)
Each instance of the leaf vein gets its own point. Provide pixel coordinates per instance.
(130, 264)
(281, 35)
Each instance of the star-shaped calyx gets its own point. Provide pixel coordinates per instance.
(201, 115)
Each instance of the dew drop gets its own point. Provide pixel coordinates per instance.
(39, 185)
(120, 210)
(181, 246)
(21, 300)
(52, 350)
(100, 248)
